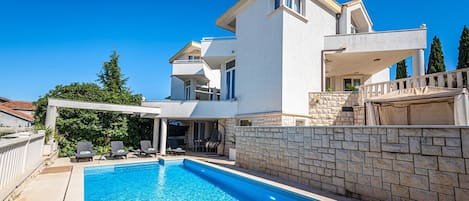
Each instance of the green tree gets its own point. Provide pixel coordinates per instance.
(74, 125)
(401, 70)
(463, 58)
(111, 77)
(436, 61)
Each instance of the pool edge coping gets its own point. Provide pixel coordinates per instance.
(264, 181)
(76, 191)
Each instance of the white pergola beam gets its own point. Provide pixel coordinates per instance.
(126, 109)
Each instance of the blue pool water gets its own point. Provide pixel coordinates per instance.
(173, 181)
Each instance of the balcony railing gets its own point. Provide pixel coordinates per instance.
(450, 79)
(19, 157)
(195, 109)
(219, 38)
(196, 61)
(378, 41)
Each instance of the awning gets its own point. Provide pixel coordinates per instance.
(420, 106)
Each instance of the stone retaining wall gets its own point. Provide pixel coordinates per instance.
(385, 163)
(326, 108)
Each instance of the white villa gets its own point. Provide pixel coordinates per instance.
(285, 56)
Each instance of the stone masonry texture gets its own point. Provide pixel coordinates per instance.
(367, 163)
(325, 108)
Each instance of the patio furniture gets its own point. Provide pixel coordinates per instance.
(199, 145)
(146, 148)
(175, 149)
(84, 150)
(213, 142)
(117, 149)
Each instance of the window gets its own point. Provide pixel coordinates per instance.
(199, 130)
(277, 4)
(351, 84)
(230, 79)
(194, 58)
(295, 5)
(245, 123)
(356, 82)
(328, 84)
(348, 84)
(187, 89)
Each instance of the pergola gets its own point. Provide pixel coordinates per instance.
(144, 112)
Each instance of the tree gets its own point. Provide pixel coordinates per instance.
(74, 125)
(463, 58)
(111, 77)
(436, 62)
(401, 70)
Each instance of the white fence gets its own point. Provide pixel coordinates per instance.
(19, 157)
(450, 79)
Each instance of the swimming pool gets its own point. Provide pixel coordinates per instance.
(176, 180)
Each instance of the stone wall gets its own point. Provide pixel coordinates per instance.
(264, 119)
(359, 116)
(326, 108)
(227, 126)
(275, 119)
(379, 163)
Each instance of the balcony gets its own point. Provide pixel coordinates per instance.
(378, 41)
(189, 69)
(450, 79)
(195, 109)
(369, 53)
(217, 51)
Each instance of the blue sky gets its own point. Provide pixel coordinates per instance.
(50, 42)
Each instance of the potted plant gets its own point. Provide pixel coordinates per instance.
(102, 151)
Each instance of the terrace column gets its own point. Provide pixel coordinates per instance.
(51, 117)
(193, 87)
(164, 135)
(156, 132)
(418, 63)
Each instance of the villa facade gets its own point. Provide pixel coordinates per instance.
(284, 57)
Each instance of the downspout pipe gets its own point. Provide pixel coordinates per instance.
(323, 65)
(337, 23)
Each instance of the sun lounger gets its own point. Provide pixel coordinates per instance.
(84, 150)
(146, 148)
(118, 149)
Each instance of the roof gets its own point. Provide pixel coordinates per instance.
(225, 21)
(351, 3)
(19, 105)
(3, 99)
(16, 113)
(186, 47)
(355, 2)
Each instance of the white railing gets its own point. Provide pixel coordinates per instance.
(450, 79)
(219, 38)
(19, 157)
(196, 61)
